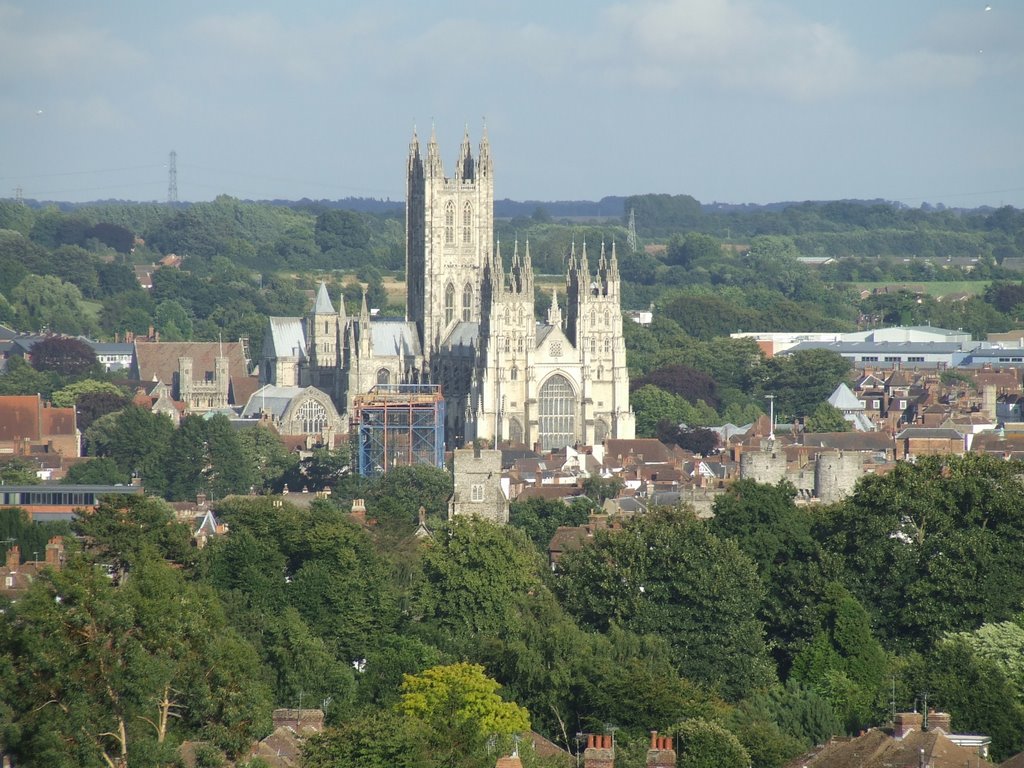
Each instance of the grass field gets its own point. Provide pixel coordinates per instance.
(939, 288)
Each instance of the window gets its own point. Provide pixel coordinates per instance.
(449, 303)
(313, 417)
(607, 345)
(892, 358)
(467, 223)
(876, 404)
(476, 492)
(915, 359)
(514, 373)
(600, 431)
(467, 302)
(508, 344)
(556, 413)
(556, 349)
(869, 359)
(515, 430)
(449, 222)
(383, 376)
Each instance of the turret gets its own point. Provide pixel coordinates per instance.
(483, 165)
(554, 311)
(435, 167)
(464, 169)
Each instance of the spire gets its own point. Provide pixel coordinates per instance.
(434, 165)
(613, 267)
(414, 153)
(528, 266)
(584, 265)
(342, 317)
(364, 312)
(484, 161)
(554, 311)
(322, 305)
(464, 168)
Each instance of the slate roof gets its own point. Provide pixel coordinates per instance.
(286, 338)
(844, 399)
(270, 398)
(387, 337)
(323, 305)
(929, 433)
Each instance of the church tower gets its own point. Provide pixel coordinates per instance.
(449, 231)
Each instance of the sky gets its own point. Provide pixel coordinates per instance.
(735, 101)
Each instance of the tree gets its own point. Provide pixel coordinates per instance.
(374, 739)
(706, 744)
(826, 418)
(654, 405)
(845, 663)
(459, 709)
(540, 518)
(930, 547)
(101, 471)
(68, 397)
(802, 380)
(124, 528)
(475, 576)
(18, 471)
(768, 527)
(46, 302)
(138, 441)
(667, 574)
(63, 356)
(99, 672)
(20, 378)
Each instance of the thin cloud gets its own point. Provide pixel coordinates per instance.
(732, 44)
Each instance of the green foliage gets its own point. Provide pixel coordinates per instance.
(826, 418)
(137, 440)
(459, 709)
(666, 573)
(768, 527)
(540, 518)
(18, 471)
(802, 380)
(67, 397)
(930, 547)
(475, 575)
(705, 744)
(31, 538)
(20, 378)
(46, 302)
(378, 739)
(846, 664)
(101, 471)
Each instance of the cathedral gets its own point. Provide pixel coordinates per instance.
(507, 372)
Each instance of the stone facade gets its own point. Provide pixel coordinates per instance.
(478, 492)
(470, 326)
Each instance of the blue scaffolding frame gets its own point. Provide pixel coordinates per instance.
(399, 425)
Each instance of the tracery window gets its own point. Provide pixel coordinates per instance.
(556, 413)
(515, 430)
(467, 223)
(313, 417)
(449, 222)
(467, 302)
(383, 376)
(449, 303)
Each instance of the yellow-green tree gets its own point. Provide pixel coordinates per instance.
(460, 711)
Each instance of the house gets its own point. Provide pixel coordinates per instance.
(16, 576)
(913, 740)
(203, 375)
(28, 425)
(929, 441)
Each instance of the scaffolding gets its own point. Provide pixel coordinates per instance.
(399, 425)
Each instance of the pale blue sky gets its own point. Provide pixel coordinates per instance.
(727, 100)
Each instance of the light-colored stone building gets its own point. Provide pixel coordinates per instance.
(470, 325)
(478, 491)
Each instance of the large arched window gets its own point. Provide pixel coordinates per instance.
(467, 223)
(449, 303)
(449, 222)
(383, 376)
(600, 431)
(556, 413)
(515, 430)
(313, 417)
(467, 302)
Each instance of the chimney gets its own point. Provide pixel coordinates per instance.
(906, 722)
(200, 500)
(939, 721)
(661, 754)
(359, 510)
(600, 752)
(55, 552)
(14, 557)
